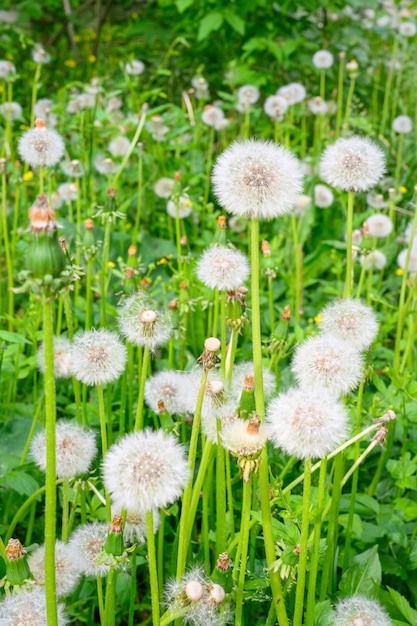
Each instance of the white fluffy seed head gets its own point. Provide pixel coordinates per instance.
(293, 93)
(86, 544)
(241, 440)
(379, 225)
(354, 164)
(75, 449)
(28, 608)
(145, 470)
(11, 110)
(257, 179)
(119, 146)
(212, 116)
(275, 107)
(352, 321)
(306, 424)
(222, 268)
(135, 67)
(407, 29)
(67, 572)
(41, 147)
(97, 357)
(104, 165)
(183, 207)
(402, 124)
(323, 196)
(135, 529)
(248, 94)
(171, 388)
(327, 362)
(143, 326)
(163, 187)
(412, 263)
(323, 59)
(373, 259)
(360, 611)
(62, 360)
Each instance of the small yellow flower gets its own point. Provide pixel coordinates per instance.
(318, 318)
(24, 127)
(402, 189)
(135, 15)
(27, 176)
(164, 260)
(399, 271)
(188, 203)
(77, 38)
(111, 264)
(70, 63)
(92, 58)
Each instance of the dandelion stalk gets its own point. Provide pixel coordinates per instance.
(302, 564)
(143, 374)
(153, 570)
(244, 541)
(349, 259)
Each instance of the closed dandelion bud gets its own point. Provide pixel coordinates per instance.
(115, 543)
(129, 283)
(279, 336)
(17, 568)
(165, 419)
(131, 253)
(217, 593)
(222, 574)
(220, 234)
(247, 406)
(236, 303)
(209, 358)
(45, 255)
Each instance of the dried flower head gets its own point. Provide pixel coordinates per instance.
(360, 611)
(325, 361)
(323, 59)
(62, 361)
(86, 544)
(75, 449)
(352, 321)
(306, 425)
(257, 179)
(98, 357)
(28, 608)
(222, 268)
(145, 470)
(354, 164)
(67, 572)
(142, 325)
(41, 147)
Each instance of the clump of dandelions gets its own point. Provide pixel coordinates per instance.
(257, 179)
(353, 164)
(142, 325)
(306, 424)
(75, 449)
(360, 611)
(145, 470)
(350, 320)
(67, 572)
(28, 608)
(62, 361)
(325, 361)
(41, 147)
(223, 268)
(97, 357)
(86, 544)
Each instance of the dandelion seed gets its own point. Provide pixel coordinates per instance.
(67, 572)
(98, 357)
(145, 470)
(222, 268)
(28, 608)
(293, 93)
(352, 321)
(323, 196)
(306, 425)
(182, 207)
(354, 164)
(86, 544)
(375, 259)
(40, 146)
(328, 362)
(75, 449)
(323, 59)
(402, 124)
(62, 361)
(257, 179)
(11, 110)
(135, 67)
(360, 611)
(119, 146)
(143, 326)
(275, 107)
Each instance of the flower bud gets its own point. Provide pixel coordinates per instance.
(17, 568)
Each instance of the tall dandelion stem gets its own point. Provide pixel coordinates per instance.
(302, 565)
(349, 259)
(50, 482)
(153, 570)
(244, 541)
(143, 374)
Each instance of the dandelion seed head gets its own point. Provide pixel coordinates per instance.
(354, 164)
(402, 124)
(306, 424)
(68, 192)
(183, 206)
(142, 325)
(352, 321)
(7, 70)
(145, 470)
(119, 146)
(67, 573)
(135, 67)
(248, 94)
(275, 107)
(323, 196)
(72, 168)
(11, 110)
(374, 258)
(242, 440)
(212, 116)
(376, 200)
(379, 225)
(98, 357)
(170, 387)
(257, 179)
(318, 106)
(407, 29)
(28, 608)
(412, 263)
(222, 268)
(40, 55)
(360, 611)
(86, 544)
(327, 362)
(163, 187)
(41, 147)
(323, 59)
(62, 360)
(293, 93)
(104, 165)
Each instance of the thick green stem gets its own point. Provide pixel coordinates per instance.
(65, 509)
(143, 375)
(244, 545)
(110, 594)
(50, 481)
(103, 272)
(349, 259)
(153, 570)
(302, 565)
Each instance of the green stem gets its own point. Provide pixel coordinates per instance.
(339, 96)
(110, 594)
(302, 565)
(143, 375)
(100, 600)
(7, 253)
(348, 105)
(103, 273)
(65, 509)
(221, 526)
(153, 570)
(244, 544)
(32, 429)
(349, 260)
(50, 481)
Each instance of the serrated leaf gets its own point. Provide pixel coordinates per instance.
(209, 24)
(403, 606)
(362, 575)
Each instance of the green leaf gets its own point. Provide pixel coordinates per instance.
(182, 5)
(21, 482)
(403, 606)
(209, 24)
(2, 567)
(362, 575)
(407, 508)
(10, 337)
(235, 21)
(323, 614)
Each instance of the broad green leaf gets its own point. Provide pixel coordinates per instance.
(10, 337)
(362, 575)
(209, 24)
(323, 614)
(403, 606)
(407, 508)
(182, 5)
(235, 21)
(21, 482)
